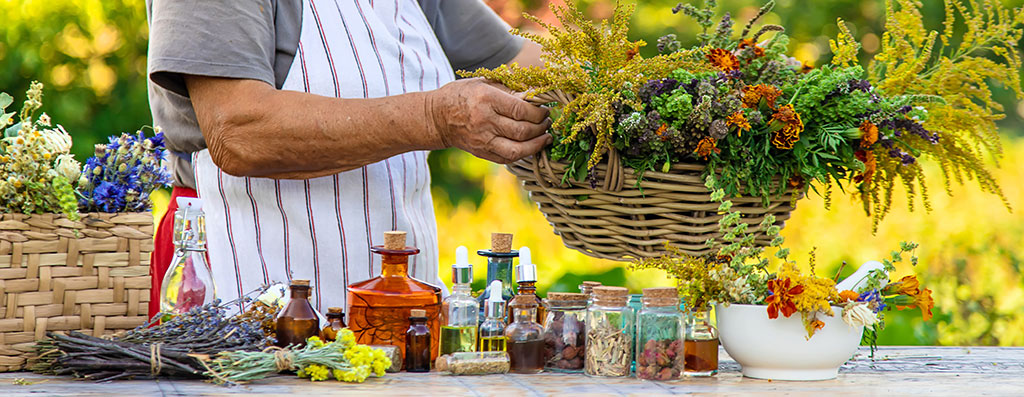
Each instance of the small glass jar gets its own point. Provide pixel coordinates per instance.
(701, 346)
(565, 332)
(660, 334)
(525, 343)
(587, 288)
(297, 321)
(335, 322)
(474, 363)
(609, 341)
(418, 347)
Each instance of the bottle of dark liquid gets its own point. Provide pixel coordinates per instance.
(335, 322)
(297, 321)
(525, 337)
(379, 308)
(701, 345)
(526, 277)
(417, 343)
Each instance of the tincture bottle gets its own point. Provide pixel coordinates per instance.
(335, 322)
(499, 267)
(417, 343)
(188, 282)
(459, 310)
(297, 321)
(525, 337)
(701, 346)
(526, 278)
(492, 331)
(379, 308)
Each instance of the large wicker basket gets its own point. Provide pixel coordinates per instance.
(90, 275)
(621, 220)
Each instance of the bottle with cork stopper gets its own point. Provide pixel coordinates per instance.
(297, 321)
(587, 288)
(609, 342)
(660, 333)
(526, 278)
(525, 336)
(335, 322)
(499, 267)
(418, 344)
(379, 308)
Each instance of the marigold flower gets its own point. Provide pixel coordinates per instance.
(723, 59)
(757, 50)
(924, 301)
(661, 132)
(753, 94)
(791, 127)
(782, 296)
(870, 165)
(869, 134)
(849, 296)
(738, 120)
(706, 146)
(908, 285)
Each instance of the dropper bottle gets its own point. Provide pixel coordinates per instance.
(492, 331)
(459, 311)
(526, 278)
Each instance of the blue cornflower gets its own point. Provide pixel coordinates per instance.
(874, 299)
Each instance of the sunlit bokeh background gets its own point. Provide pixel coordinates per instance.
(91, 54)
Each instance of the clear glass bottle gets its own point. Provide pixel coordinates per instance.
(526, 278)
(525, 341)
(417, 343)
(188, 282)
(297, 321)
(474, 363)
(609, 343)
(660, 333)
(565, 332)
(499, 267)
(492, 330)
(459, 310)
(701, 345)
(379, 308)
(335, 322)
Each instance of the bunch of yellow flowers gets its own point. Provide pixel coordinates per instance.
(362, 360)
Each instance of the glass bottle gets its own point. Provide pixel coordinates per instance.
(417, 343)
(701, 346)
(660, 332)
(297, 321)
(636, 303)
(525, 341)
(587, 288)
(499, 267)
(565, 332)
(526, 278)
(188, 282)
(335, 322)
(609, 343)
(459, 310)
(474, 363)
(379, 308)
(492, 330)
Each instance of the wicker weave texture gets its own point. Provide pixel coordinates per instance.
(90, 275)
(620, 221)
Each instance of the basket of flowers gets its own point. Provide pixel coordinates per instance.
(74, 243)
(634, 137)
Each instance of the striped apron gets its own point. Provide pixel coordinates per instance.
(263, 230)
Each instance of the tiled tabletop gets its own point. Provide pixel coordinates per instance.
(896, 371)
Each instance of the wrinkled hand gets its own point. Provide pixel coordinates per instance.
(487, 120)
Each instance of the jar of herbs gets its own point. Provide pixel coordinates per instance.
(609, 341)
(565, 332)
(660, 336)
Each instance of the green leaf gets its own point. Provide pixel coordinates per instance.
(5, 100)
(12, 131)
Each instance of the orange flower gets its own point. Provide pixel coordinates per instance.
(813, 326)
(924, 301)
(661, 132)
(849, 296)
(908, 285)
(781, 298)
(869, 134)
(870, 165)
(706, 146)
(805, 67)
(753, 94)
(723, 59)
(758, 51)
(791, 127)
(739, 121)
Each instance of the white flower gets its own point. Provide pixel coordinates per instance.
(858, 314)
(68, 167)
(44, 119)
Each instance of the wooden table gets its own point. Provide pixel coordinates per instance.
(965, 371)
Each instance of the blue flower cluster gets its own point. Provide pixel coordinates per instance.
(123, 173)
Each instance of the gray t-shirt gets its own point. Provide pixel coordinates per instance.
(257, 39)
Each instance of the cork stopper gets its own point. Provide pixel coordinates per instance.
(611, 296)
(567, 296)
(664, 296)
(501, 242)
(334, 310)
(591, 284)
(417, 312)
(300, 283)
(394, 240)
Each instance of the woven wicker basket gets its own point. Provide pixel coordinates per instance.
(621, 221)
(90, 275)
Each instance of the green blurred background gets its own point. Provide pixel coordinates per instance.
(91, 54)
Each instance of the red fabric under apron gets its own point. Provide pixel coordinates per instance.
(163, 247)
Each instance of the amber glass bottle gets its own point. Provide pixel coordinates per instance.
(379, 308)
(297, 321)
(418, 346)
(526, 278)
(335, 322)
(525, 337)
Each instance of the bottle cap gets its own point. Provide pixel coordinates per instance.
(611, 296)
(418, 313)
(495, 304)
(334, 310)
(300, 283)
(192, 203)
(501, 242)
(523, 301)
(526, 270)
(665, 296)
(394, 240)
(462, 271)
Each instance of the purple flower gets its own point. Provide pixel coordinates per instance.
(656, 87)
(874, 299)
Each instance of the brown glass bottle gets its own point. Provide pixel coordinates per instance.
(335, 322)
(418, 346)
(297, 321)
(525, 337)
(526, 277)
(379, 308)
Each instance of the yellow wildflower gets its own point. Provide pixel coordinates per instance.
(317, 372)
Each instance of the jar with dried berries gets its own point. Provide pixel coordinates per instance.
(660, 335)
(565, 332)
